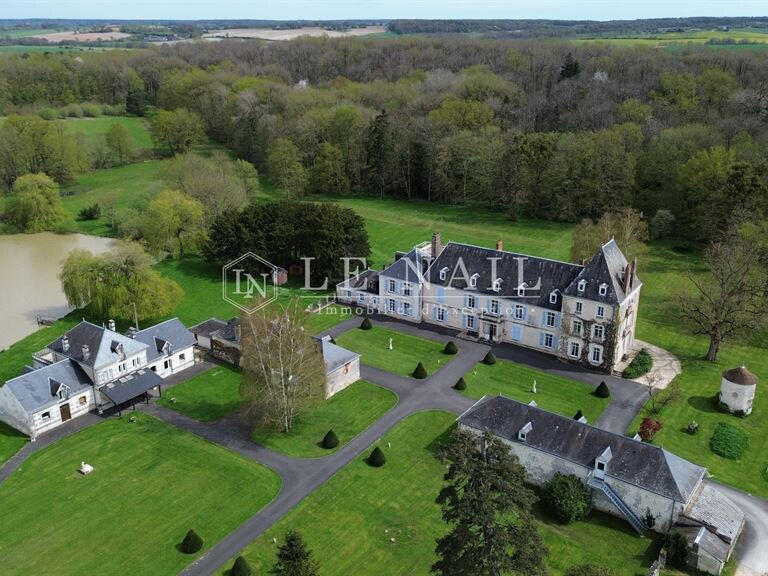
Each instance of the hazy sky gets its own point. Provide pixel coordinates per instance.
(340, 9)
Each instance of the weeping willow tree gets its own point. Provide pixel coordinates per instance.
(283, 369)
(121, 284)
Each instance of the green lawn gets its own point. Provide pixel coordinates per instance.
(328, 317)
(348, 521)
(130, 186)
(348, 413)
(407, 351)
(11, 441)
(93, 128)
(151, 483)
(207, 396)
(553, 393)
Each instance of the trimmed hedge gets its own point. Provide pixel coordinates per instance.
(366, 324)
(240, 567)
(330, 440)
(489, 359)
(729, 442)
(192, 543)
(460, 384)
(641, 364)
(420, 372)
(602, 390)
(589, 570)
(451, 348)
(377, 458)
(565, 498)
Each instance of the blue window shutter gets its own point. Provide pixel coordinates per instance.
(525, 312)
(557, 320)
(516, 332)
(466, 304)
(441, 294)
(541, 339)
(434, 312)
(554, 342)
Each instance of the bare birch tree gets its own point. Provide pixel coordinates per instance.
(283, 370)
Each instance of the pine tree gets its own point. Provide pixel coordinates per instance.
(294, 558)
(240, 567)
(570, 67)
(487, 505)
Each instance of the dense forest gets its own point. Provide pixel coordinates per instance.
(539, 129)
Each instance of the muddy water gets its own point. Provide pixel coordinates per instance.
(29, 286)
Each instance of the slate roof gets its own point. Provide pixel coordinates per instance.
(35, 390)
(367, 280)
(407, 266)
(706, 541)
(334, 355)
(553, 274)
(741, 376)
(713, 509)
(102, 344)
(205, 329)
(171, 331)
(605, 267)
(228, 332)
(635, 462)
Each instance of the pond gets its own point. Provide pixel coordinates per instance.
(29, 285)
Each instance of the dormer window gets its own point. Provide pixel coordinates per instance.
(521, 289)
(443, 273)
(582, 285)
(497, 284)
(524, 432)
(601, 462)
(473, 280)
(553, 297)
(603, 289)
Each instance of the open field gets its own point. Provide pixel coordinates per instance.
(207, 396)
(348, 413)
(93, 128)
(290, 34)
(150, 480)
(23, 48)
(407, 351)
(347, 522)
(553, 393)
(683, 38)
(72, 36)
(26, 32)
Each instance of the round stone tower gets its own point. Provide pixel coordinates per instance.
(737, 390)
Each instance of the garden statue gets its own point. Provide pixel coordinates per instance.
(390, 343)
(533, 389)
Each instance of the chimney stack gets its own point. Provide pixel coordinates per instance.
(634, 271)
(86, 352)
(111, 325)
(132, 332)
(436, 245)
(238, 332)
(499, 245)
(65, 343)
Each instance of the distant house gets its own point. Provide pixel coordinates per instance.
(93, 367)
(581, 313)
(625, 476)
(222, 339)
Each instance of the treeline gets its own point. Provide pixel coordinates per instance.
(544, 130)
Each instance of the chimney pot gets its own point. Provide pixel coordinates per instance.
(65, 342)
(499, 245)
(132, 332)
(436, 245)
(111, 325)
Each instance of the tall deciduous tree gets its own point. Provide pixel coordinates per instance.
(730, 298)
(119, 143)
(178, 130)
(487, 505)
(117, 285)
(283, 369)
(294, 558)
(626, 226)
(35, 204)
(327, 175)
(173, 222)
(285, 168)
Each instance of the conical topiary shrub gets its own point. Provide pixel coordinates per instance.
(489, 359)
(330, 440)
(451, 348)
(191, 543)
(377, 458)
(366, 324)
(579, 415)
(460, 384)
(420, 372)
(240, 567)
(602, 390)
